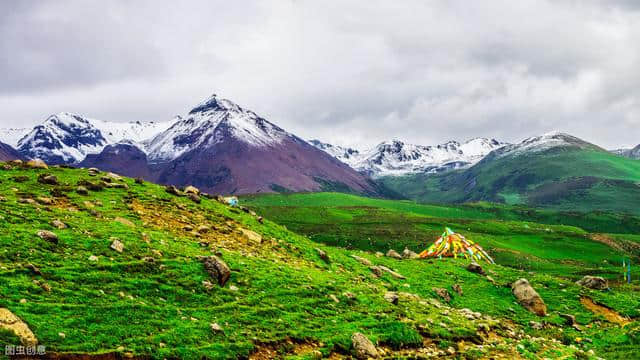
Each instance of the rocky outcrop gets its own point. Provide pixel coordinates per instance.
(593, 282)
(217, 269)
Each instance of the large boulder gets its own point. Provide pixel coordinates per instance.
(363, 348)
(217, 269)
(593, 282)
(528, 297)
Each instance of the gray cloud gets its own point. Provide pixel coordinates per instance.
(350, 72)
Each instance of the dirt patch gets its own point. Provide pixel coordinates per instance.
(604, 239)
(609, 314)
(10, 322)
(281, 349)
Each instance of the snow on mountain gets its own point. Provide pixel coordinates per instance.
(344, 154)
(630, 153)
(544, 142)
(67, 138)
(11, 136)
(395, 158)
(208, 123)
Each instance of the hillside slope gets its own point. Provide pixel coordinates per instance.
(119, 268)
(8, 153)
(555, 170)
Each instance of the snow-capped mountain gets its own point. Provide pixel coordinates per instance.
(550, 140)
(630, 153)
(395, 158)
(11, 136)
(344, 154)
(207, 124)
(67, 138)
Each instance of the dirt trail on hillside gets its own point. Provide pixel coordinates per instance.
(608, 314)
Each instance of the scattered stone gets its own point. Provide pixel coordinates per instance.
(392, 297)
(191, 190)
(363, 347)
(43, 286)
(45, 200)
(593, 282)
(217, 269)
(48, 179)
(20, 179)
(93, 171)
(203, 229)
(233, 288)
(457, 288)
(391, 272)
(139, 181)
(535, 325)
(569, 319)
(376, 270)
(48, 236)
(113, 176)
(260, 219)
(117, 245)
(194, 197)
(34, 269)
(215, 327)
(26, 201)
(23, 301)
(93, 258)
(58, 224)
(81, 190)
(362, 260)
(125, 222)
(10, 322)
(475, 268)
(349, 295)
(394, 254)
(379, 254)
(62, 335)
(408, 254)
(37, 164)
(334, 298)
(323, 255)
(442, 293)
(173, 190)
(187, 228)
(491, 280)
(528, 297)
(469, 314)
(251, 235)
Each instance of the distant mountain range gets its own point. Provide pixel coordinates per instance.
(218, 146)
(396, 158)
(224, 148)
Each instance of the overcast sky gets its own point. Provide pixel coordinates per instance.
(348, 72)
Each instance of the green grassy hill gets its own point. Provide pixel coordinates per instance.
(576, 178)
(157, 299)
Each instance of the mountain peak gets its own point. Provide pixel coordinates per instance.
(216, 103)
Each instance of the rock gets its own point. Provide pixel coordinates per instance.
(363, 347)
(569, 319)
(194, 197)
(215, 327)
(81, 190)
(26, 201)
(58, 224)
(457, 288)
(62, 335)
(125, 222)
(48, 236)
(117, 245)
(34, 269)
(93, 171)
(379, 254)
(260, 219)
(394, 254)
(376, 270)
(408, 254)
(93, 258)
(475, 268)
(323, 255)
(391, 272)
(362, 260)
(233, 288)
(217, 269)
(251, 235)
(528, 297)
(491, 280)
(173, 190)
(37, 164)
(43, 286)
(45, 200)
(113, 176)
(392, 297)
(203, 229)
(48, 179)
(187, 228)
(139, 181)
(10, 322)
(593, 282)
(535, 325)
(191, 190)
(442, 293)
(334, 298)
